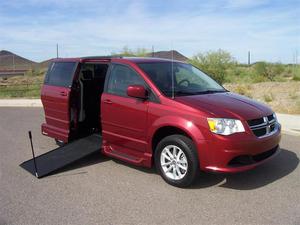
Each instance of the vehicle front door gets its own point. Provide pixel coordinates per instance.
(124, 118)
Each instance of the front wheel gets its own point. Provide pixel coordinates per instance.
(176, 160)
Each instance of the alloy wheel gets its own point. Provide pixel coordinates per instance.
(173, 162)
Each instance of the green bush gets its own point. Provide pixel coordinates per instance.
(214, 63)
(278, 69)
(256, 78)
(296, 77)
(269, 97)
(243, 90)
(268, 70)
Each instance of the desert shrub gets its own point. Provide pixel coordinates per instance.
(36, 72)
(296, 77)
(214, 63)
(256, 78)
(277, 68)
(262, 70)
(268, 97)
(243, 90)
(293, 95)
(236, 71)
(268, 70)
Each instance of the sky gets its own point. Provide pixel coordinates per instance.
(270, 29)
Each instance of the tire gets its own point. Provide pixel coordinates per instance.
(59, 143)
(187, 158)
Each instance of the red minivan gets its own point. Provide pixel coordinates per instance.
(157, 111)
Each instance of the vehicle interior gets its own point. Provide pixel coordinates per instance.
(91, 85)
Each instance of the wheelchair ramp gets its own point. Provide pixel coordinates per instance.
(63, 156)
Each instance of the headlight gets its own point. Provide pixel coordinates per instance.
(225, 126)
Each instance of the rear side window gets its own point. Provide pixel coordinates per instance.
(60, 74)
(120, 78)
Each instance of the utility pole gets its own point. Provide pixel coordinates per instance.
(295, 61)
(152, 51)
(14, 67)
(249, 58)
(56, 50)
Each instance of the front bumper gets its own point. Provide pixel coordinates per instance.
(238, 152)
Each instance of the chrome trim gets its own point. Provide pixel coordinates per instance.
(260, 126)
(270, 133)
(267, 126)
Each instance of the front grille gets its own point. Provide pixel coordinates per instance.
(271, 117)
(263, 126)
(260, 132)
(255, 122)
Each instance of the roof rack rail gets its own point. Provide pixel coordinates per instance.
(102, 57)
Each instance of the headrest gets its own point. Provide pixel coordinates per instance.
(87, 74)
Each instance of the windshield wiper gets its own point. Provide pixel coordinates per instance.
(199, 92)
(211, 91)
(185, 92)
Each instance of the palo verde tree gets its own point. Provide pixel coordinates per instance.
(214, 63)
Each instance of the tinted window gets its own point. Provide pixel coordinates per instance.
(120, 78)
(180, 79)
(60, 74)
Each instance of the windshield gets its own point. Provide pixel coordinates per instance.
(187, 79)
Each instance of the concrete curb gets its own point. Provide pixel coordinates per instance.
(290, 123)
(20, 103)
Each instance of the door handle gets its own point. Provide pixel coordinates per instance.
(62, 93)
(107, 101)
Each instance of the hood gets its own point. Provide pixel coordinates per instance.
(226, 105)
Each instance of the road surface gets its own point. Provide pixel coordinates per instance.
(99, 190)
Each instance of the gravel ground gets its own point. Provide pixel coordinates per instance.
(99, 190)
(282, 97)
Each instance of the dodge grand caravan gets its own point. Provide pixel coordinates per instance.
(159, 112)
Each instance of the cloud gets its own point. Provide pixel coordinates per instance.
(93, 28)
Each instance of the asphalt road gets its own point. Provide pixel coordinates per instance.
(98, 190)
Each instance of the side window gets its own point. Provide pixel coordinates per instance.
(60, 74)
(120, 78)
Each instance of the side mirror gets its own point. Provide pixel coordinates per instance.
(137, 91)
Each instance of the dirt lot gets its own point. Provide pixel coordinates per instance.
(283, 97)
(99, 190)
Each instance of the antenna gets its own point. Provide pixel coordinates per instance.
(56, 50)
(172, 74)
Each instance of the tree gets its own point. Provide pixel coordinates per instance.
(268, 70)
(214, 63)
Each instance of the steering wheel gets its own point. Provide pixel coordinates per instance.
(184, 80)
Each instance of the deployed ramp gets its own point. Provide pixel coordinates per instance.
(62, 156)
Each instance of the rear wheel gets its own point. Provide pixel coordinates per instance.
(176, 160)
